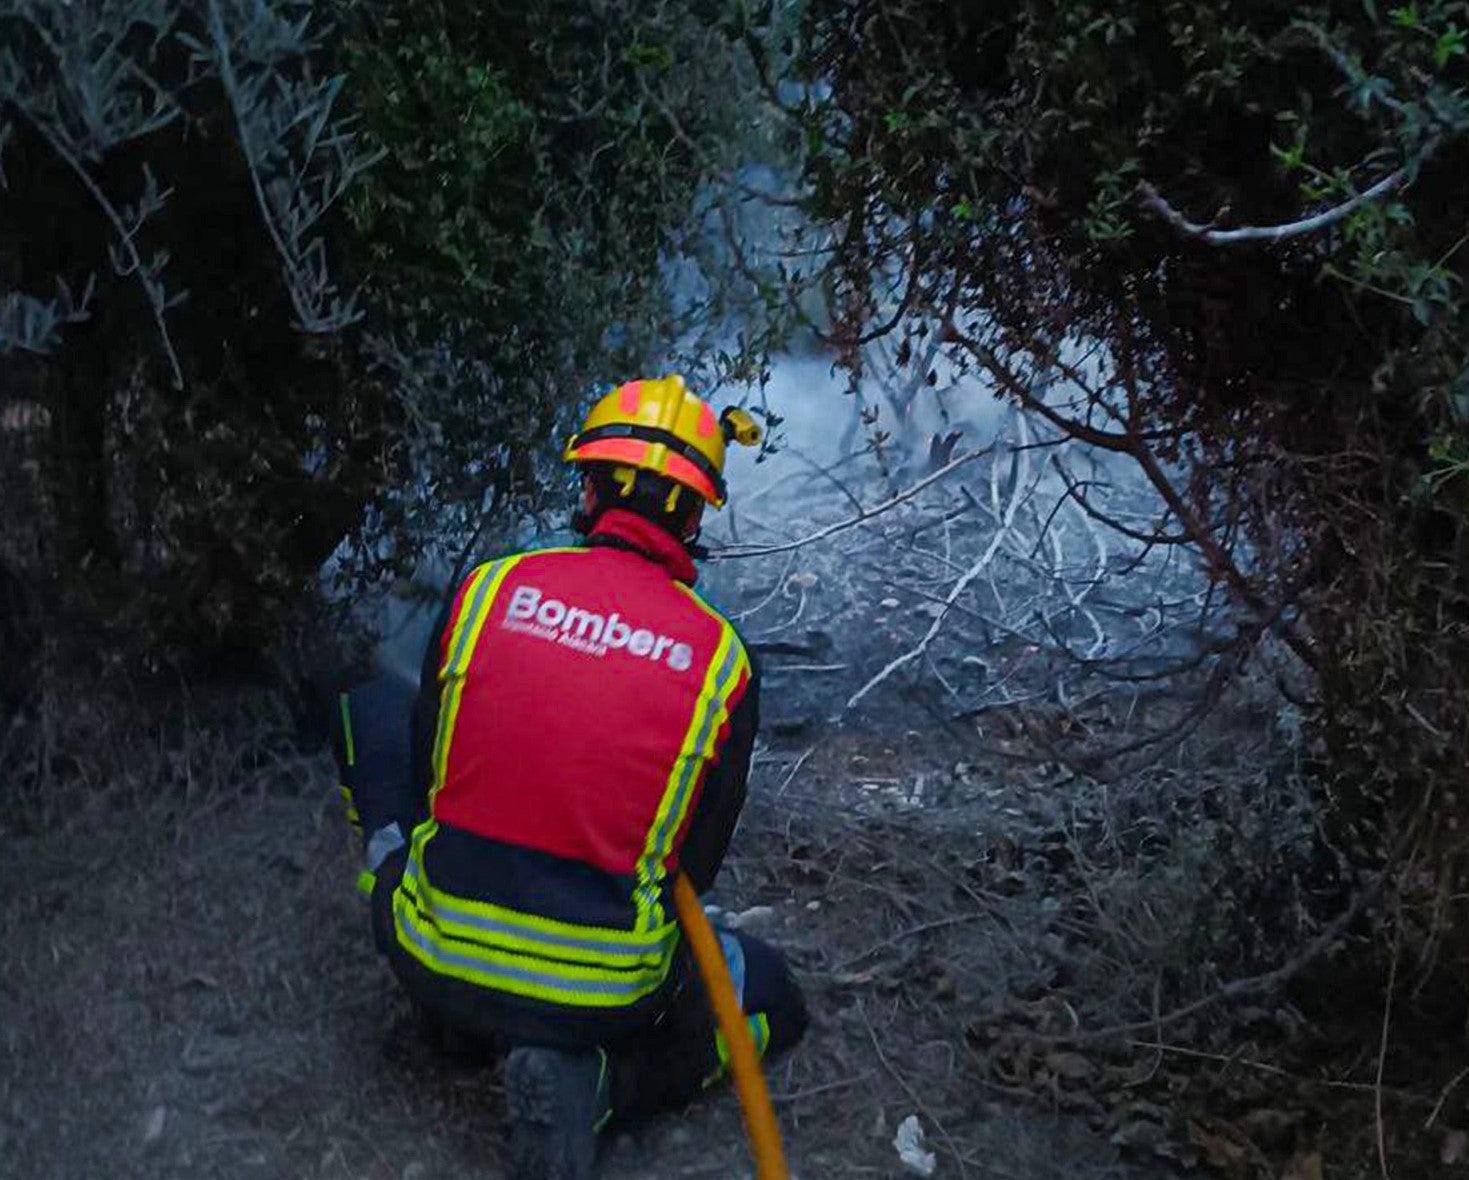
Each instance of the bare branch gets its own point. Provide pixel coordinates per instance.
(1151, 200)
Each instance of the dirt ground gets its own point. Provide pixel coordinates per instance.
(189, 988)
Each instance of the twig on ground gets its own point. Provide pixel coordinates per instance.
(780, 584)
(824, 1088)
(1392, 982)
(1444, 1096)
(794, 770)
(911, 932)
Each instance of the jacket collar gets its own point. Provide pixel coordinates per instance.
(621, 529)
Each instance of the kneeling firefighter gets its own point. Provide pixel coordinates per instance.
(584, 732)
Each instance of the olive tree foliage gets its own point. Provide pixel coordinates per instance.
(542, 165)
(196, 445)
(1225, 245)
(281, 280)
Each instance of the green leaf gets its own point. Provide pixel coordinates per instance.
(643, 54)
(1450, 44)
(1405, 17)
(1290, 158)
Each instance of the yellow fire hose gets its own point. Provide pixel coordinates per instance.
(744, 1062)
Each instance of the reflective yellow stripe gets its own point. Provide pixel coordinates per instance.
(476, 920)
(522, 975)
(479, 598)
(528, 955)
(759, 1032)
(351, 748)
(710, 711)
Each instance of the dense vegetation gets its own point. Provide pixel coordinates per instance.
(278, 276)
(1238, 229)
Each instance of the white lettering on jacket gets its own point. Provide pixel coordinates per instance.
(531, 613)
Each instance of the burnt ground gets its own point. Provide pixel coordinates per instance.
(189, 988)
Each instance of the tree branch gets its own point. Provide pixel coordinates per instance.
(851, 521)
(1152, 200)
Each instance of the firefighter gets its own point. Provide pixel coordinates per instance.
(584, 731)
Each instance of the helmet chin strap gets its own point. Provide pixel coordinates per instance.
(691, 543)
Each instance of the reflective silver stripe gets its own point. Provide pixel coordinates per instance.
(432, 900)
(633, 988)
(470, 613)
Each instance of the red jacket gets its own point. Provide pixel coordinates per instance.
(594, 726)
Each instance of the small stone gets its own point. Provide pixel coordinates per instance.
(153, 1128)
(752, 918)
(813, 906)
(1454, 1147)
(889, 604)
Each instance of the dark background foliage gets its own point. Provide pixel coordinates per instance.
(326, 279)
(1020, 177)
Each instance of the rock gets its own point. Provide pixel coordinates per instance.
(1454, 1148)
(889, 604)
(153, 1127)
(751, 919)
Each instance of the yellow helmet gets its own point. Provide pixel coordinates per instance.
(659, 426)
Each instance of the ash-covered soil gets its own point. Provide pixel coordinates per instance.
(189, 987)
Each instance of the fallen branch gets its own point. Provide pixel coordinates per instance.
(960, 586)
(910, 932)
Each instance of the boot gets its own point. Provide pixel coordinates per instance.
(557, 1103)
